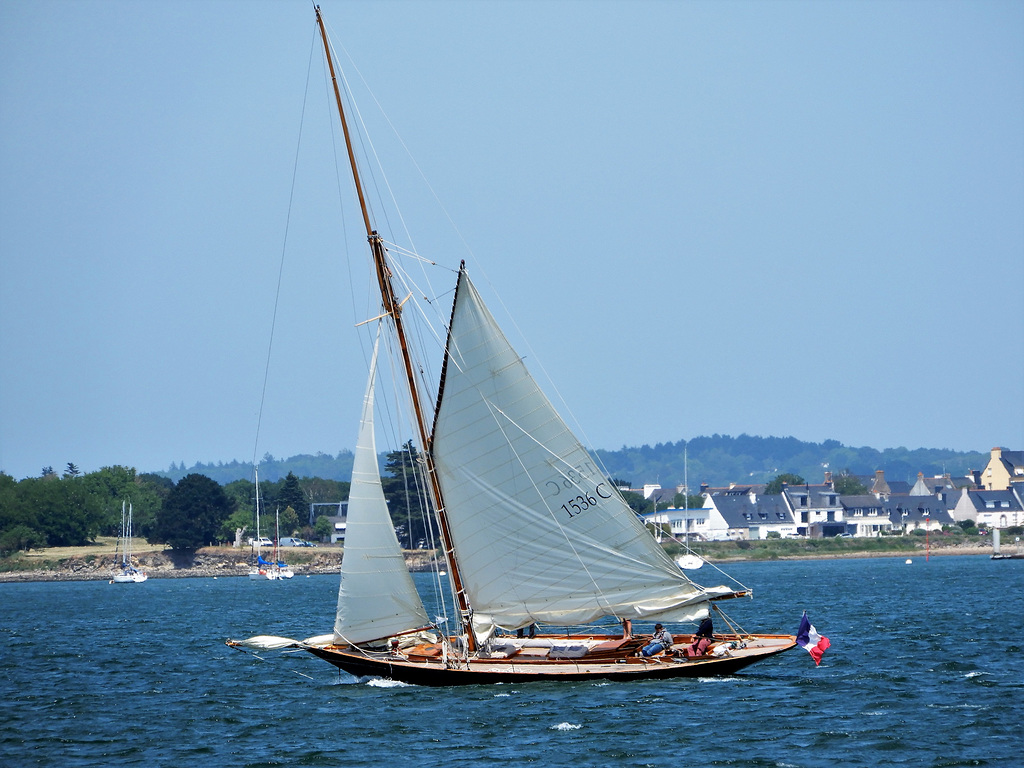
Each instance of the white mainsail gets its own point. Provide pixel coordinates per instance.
(377, 597)
(540, 534)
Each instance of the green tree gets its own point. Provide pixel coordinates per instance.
(72, 471)
(848, 485)
(117, 484)
(192, 513)
(323, 528)
(242, 497)
(324, 491)
(64, 511)
(291, 495)
(289, 521)
(404, 488)
(691, 501)
(637, 502)
(240, 518)
(20, 537)
(775, 486)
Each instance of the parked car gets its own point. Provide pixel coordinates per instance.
(262, 541)
(288, 541)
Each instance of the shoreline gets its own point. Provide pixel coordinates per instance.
(217, 562)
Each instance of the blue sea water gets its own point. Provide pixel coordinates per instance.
(926, 668)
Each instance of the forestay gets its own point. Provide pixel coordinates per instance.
(540, 534)
(377, 597)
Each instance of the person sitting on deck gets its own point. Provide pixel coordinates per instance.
(660, 641)
(703, 638)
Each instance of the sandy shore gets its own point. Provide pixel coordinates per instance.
(97, 564)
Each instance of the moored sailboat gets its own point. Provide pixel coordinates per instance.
(267, 570)
(127, 572)
(532, 532)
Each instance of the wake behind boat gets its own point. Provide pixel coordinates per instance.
(532, 531)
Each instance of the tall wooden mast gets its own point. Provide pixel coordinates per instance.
(393, 308)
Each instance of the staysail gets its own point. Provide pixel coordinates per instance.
(540, 533)
(377, 597)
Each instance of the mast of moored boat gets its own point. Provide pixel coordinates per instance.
(393, 308)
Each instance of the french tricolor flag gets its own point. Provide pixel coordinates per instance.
(807, 637)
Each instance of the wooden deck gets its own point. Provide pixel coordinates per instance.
(555, 658)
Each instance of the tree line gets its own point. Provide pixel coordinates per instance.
(716, 460)
(192, 508)
(74, 509)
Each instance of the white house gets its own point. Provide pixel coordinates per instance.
(733, 516)
(990, 509)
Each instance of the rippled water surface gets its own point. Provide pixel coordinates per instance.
(926, 669)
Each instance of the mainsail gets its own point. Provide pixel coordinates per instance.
(377, 597)
(540, 534)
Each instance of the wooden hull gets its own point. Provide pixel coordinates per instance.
(483, 671)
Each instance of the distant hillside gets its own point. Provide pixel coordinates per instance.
(717, 460)
(303, 465)
(720, 459)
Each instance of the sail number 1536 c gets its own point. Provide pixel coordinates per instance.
(585, 499)
(583, 502)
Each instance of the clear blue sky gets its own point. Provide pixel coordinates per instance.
(777, 218)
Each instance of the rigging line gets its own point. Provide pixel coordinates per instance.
(491, 406)
(435, 326)
(577, 427)
(338, 174)
(540, 494)
(736, 628)
(256, 655)
(415, 255)
(353, 108)
(366, 141)
(363, 135)
(402, 420)
(703, 559)
(398, 136)
(341, 196)
(394, 422)
(426, 519)
(284, 250)
(401, 141)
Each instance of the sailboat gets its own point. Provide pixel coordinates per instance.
(267, 570)
(534, 536)
(126, 573)
(280, 567)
